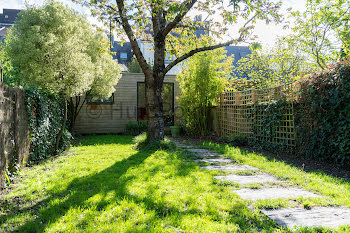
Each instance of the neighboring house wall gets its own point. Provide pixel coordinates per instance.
(123, 52)
(148, 53)
(8, 16)
(112, 118)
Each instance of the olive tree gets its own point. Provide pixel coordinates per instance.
(54, 48)
(170, 26)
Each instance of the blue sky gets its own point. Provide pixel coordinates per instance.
(266, 33)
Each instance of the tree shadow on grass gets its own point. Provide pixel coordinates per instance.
(79, 190)
(112, 180)
(105, 139)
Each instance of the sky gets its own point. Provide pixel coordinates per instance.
(267, 34)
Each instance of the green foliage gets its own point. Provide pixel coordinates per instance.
(323, 114)
(134, 66)
(54, 48)
(10, 75)
(134, 128)
(45, 112)
(240, 140)
(267, 119)
(321, 28)
(202, 80)
(264, 69)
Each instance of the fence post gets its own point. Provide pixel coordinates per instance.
(237, 98)
(254, 96)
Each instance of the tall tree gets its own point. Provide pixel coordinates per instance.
(56, 49)
(169, 26)
(281, 64)
(322, 29)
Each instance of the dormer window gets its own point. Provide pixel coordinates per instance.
(123, 55)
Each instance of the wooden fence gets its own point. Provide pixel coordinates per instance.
(246, 114)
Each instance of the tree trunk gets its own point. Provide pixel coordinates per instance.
(154, 88)
(63, 126)
(154, 106)
(72, 107)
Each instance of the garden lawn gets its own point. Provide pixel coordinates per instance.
(104, 185)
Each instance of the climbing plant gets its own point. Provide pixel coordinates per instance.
(323, 114)
(45, 114)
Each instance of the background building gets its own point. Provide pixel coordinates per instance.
(7, 19)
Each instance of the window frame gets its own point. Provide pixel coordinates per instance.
(172, 102)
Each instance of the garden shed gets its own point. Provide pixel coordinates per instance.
(127, 104)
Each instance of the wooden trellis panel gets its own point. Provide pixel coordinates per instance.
(242, 113)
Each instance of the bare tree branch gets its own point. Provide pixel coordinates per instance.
(128, 30)
(186, 5)
(207, 48)
(198, 50)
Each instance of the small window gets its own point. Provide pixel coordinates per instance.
(91, 100)
(6, 16)
(123, 55)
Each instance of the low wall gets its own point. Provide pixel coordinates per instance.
(14, 130)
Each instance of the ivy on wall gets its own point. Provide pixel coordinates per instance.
(45, 115)
(323, 114)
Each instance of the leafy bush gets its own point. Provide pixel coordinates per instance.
(240, 140)
(135, 128)
(269, 120)
(45, 113)
(323, 114)
(202, 81)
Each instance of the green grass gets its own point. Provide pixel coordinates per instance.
(334, 191)
(104, 184)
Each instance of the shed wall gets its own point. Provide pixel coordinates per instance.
(112, 118)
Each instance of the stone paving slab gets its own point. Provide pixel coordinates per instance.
(236, 167)
(273, 193)
(214, 160)
(248, 179)
(199, 151)
(209, 154)
(317, 216)
(184, 146)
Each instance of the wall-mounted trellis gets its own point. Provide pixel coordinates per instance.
(263, 115)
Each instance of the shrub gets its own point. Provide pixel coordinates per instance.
(202, 81)
(323, 114)
(135, 128)
(239, 140)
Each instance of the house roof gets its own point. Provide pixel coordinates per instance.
(8, 16)
(3, 30)
(238, 52)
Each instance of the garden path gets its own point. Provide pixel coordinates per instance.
(240, 174)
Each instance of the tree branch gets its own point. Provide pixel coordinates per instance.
(187, 5)
(198, 50)
(128, 30)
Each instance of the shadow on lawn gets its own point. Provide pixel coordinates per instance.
(111, 179)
